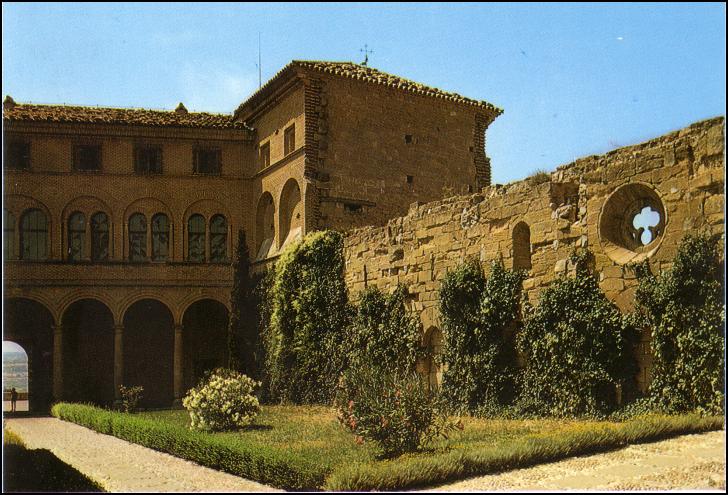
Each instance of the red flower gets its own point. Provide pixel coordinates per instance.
(359, 440)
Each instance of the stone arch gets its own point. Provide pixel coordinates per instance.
(30, 324)
(88, 352)
(188, 301)
(521, 238)
(433, 342)
(204, 337)
(290, 213)
(265, 227)
(78, 295)
(148, 351)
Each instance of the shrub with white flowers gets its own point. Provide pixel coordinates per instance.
(224, 400)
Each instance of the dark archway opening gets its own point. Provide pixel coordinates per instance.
(30, 325)
(204, 339)
(88, 353)
(149, 352)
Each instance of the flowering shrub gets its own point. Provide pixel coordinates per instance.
(396, 410)
(130, 397)
(222, 401)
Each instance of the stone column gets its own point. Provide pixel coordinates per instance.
(57, 362)
(178, 357)
(118, 361)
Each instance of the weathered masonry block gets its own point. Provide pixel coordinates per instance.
(630, 204)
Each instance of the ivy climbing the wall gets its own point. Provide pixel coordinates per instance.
(684, 309)
(477, 314)
(577, 346)
(309, 315)
(384, 334)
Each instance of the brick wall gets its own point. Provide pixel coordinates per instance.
(375, 137)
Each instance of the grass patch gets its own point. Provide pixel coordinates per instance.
(304, 447)
(38, 470)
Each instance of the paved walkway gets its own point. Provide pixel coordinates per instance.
(688, 462)
(120, 466)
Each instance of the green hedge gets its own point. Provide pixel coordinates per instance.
(409, 472)
(256, 463)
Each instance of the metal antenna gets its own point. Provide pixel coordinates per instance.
(366, 54)
(260, 70)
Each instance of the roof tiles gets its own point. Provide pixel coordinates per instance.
(117, 116)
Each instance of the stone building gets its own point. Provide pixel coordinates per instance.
(118, 224)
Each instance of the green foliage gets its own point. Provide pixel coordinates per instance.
(130, 397)
(308, 320)
(544, 445)
(394, 409)
(383, 333)
(684, 308)
(477, 314)
(253, 461)
(304, 447)
(577, 347)
(223, 400)
(242, 331)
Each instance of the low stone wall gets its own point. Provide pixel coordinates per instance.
(673, 184)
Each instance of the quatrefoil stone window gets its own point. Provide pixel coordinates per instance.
(631, 223)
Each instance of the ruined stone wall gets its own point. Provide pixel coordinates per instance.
(588, 203)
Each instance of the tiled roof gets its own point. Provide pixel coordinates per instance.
(118, 116)
(374, 76)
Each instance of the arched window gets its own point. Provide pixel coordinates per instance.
(160, 237)
(196, 238)
(137, 237)
(76, 236)
(521, 247)
(34, 235)
(218, 239)
(8, 235)
(100, 237)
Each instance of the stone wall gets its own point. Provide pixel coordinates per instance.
(588, 203)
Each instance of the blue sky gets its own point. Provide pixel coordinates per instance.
(573, 79)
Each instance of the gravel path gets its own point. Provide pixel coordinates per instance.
(120, 466)
(688, 462)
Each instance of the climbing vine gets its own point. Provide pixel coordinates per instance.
(684, 309)
(477, 314)
(309, 315)
(577, 346)
(384, 334)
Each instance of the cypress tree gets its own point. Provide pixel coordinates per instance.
(242, 328)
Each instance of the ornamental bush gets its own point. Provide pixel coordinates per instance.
(394, 409)
(384, 334)
(477, 315)
(577, 346)
(684, 309)
(223, 400)
(130, 397)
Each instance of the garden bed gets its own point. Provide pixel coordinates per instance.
(304, 447)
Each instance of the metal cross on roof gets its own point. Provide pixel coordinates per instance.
(366, 54)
